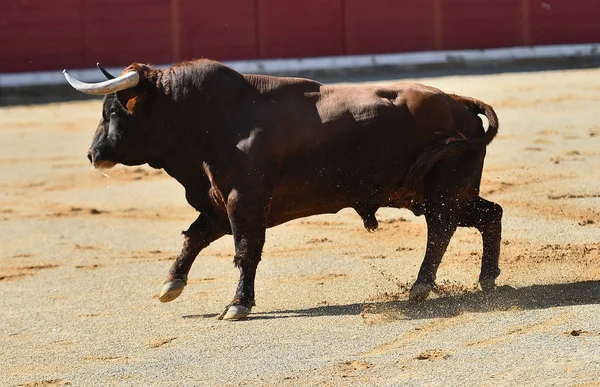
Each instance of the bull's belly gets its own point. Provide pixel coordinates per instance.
(282, 211)
(298, 199)
(337, 176)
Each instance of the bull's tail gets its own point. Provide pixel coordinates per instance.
(455, 145)
(478, 107)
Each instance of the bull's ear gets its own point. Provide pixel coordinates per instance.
(132, 98)
(131, 104)
(129, 99)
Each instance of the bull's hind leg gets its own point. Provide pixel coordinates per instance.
(486, 217)
(201, 233)
(441, 225)
(447, 187)
(367, 214)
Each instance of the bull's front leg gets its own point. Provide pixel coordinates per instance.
(247, 217)
(201, 233)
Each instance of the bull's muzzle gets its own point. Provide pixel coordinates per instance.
(97, 162)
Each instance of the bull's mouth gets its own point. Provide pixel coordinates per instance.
(103, 164)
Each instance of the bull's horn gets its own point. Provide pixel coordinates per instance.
(104, 71)
(128, 80)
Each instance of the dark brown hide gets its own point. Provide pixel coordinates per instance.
(255, 151)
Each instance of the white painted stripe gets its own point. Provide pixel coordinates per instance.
(291, 66)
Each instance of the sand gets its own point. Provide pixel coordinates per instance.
(83, 257)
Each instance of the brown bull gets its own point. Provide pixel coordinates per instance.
(255, 151)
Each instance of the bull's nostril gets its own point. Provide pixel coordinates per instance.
(90, 157)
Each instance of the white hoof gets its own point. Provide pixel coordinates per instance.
(171, 290)
(235, 312)
(419, 292)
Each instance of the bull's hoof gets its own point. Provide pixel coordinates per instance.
(487, 284)
(171, 290)
(419, 292)
(371, 223)
(235, 312)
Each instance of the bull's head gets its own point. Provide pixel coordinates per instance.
(120, 136)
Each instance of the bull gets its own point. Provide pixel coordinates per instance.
(255, 151)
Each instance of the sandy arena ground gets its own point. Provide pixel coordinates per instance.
(83, 257)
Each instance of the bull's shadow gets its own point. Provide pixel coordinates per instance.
(503, 298)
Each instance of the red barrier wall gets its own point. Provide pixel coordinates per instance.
(48, 35)
(31, 40)
(565, 21)
(224, 29)
(472, 24)
(288, 29)
(117, 32)
(383, 26)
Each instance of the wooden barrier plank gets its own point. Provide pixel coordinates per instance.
(119, 33)
(564, 21)
(221, 30)
(471, 24)
(290, 29)
(380, 26)
(35, 36)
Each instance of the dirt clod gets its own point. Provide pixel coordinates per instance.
(432, 355)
